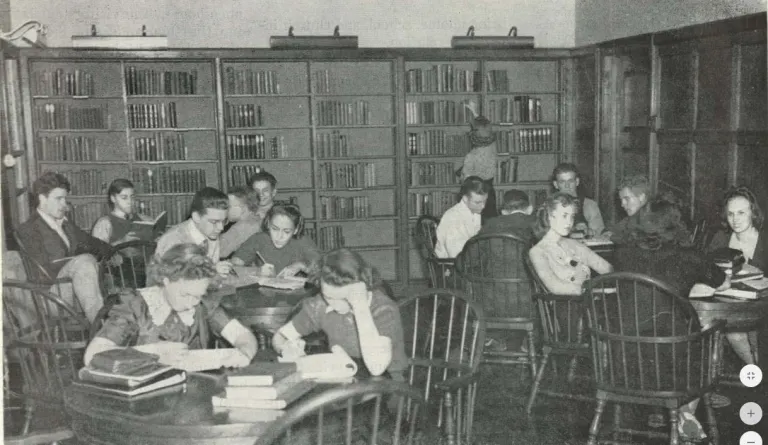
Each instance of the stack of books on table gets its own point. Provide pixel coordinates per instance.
(261, 391)
(128, 373)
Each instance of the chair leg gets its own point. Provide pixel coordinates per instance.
(594, 428)
(450, 431)
(714, 434)
(28, 413)
(674, 437)
(532, 352)
(537, 381)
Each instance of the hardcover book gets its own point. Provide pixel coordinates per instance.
(150, 230)
(272, 392)
(163, 381)
(221, 400)
(123, 361)
(261, 374)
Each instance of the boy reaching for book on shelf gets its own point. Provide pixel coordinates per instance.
(482, 158)
(117, 227)
(173, 310)
(279, 248)
(354, 312)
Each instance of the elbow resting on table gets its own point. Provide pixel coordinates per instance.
(379, 357)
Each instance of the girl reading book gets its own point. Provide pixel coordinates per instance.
(280, 246)
(116, 227)
(354, 311)
(173, 310)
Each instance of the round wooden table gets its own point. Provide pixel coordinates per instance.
(180, 417)
(740, 315)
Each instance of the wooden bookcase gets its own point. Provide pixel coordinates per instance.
(523, 98)
(350, 136)
(152, 122)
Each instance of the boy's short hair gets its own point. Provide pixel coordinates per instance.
(474, 184)
(209, 198)
(638, 184)
(262, 175)
(515, 200)
(564, 167)
(480, 122)
(249, 196)
(46, 182)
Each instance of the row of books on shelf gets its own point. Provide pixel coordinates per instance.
(433, 173)
(506, 170)
(331, 144)
(160, 147)
(531, 140)
(438, 142)
(437, 112)
(59, 82)
(61, 116)
(442, 78)
(325, 82)
(243, 115)
(519, 109)
(326, 238)
(433, 203)
(86, 182)
(344, 207)
(255, 146)
(334, 112)
(167, 180)
(85, 214)
(239, 174)
(248, 81)
(67, 148)
(497, 81)
(160, 82)
(346, 175)
(154, 115)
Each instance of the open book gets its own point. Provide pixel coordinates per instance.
(150, 230)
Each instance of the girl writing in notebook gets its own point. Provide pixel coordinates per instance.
(280, 244)
(172, 314)
(355, 313)
(116, 227)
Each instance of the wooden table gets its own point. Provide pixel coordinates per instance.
(164, 418)
(740, 315)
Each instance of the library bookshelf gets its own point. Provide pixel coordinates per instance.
(364, 141)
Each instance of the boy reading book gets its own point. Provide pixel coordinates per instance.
(353, 311)
(119, 225)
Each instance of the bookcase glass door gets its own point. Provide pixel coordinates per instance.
(353, 140)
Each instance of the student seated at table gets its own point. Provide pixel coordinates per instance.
(61, 247)
(242, 212)
(462, 221)
(208, 216)
(659, 246)
(743, 227)
(116, 227)
(634, 192)
(562, 264)
(745, 231)
(588, 220)
(280, 244)
(516, 217)
(354, 312)
(265, 185)
(173, 310)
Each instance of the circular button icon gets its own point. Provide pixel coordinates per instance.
(751, 376)
(750, 413)
(750, 438)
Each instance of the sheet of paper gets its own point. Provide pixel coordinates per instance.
(244, 276)
(291, 283)
(700, 290)
(759, 284)
(198, 359)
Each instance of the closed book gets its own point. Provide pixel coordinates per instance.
(147, 404)
(261, 374)
(297, 391)
(272, 392)
(129, 380)
(250, 415)
(122, 361)
(173, 379)
(738, 292)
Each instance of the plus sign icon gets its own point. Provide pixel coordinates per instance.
(751, 376)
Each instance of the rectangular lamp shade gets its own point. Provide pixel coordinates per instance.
(120, 42)
(312, 42)
(492, 42)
